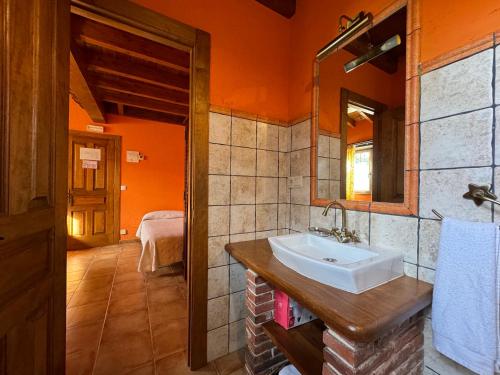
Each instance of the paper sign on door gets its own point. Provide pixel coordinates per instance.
(90, 154)
(89, 164)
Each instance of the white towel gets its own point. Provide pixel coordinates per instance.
(465, 300)
(289, 370)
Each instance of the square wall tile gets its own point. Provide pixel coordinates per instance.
(442, 190)
(334, 189)
(267, 136)
(218, 220)
(267, 163)
(410, 269)
(428, 249)
(284, 164)
(301, 135)
(237, 306)
(358, 221)
(301, 195)
(218, 159)
(218, 281)
(267, 190)
(497, 131)
(323, 188)
(323, 146)
(242, 190)
(496, 208)
(243, 161)
(395, 233)
(283, 191)
(237, 335)
(323, 168)
(334, 148)
(240, 238)
(217, 255)
(299, 218)
(283, 216)
(217, 343)
(426, 274)
(497, 76)
(244, 132)
(217, 312)
(285, 138)
(320, 221)
(242, 219)
(457, 141)
(335, 169)
(218, 190)
(237, 277)
(459, 87)
(300, 162)
(266, 234)
(266, 216)
(219, 128)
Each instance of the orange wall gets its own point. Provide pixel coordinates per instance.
(362, 132)
(446, 25)
(156, 183)
(250, 52)
(367, 80)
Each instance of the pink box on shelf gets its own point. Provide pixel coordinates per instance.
(288, 313)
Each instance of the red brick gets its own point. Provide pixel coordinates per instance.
(258, 309)
(260, 298)
(254, 278)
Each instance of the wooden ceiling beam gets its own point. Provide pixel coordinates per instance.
(100, 35)
(146, 114)
(80, 89)
(132, 86)
(284, 7)
(142, 102)
(126, 66)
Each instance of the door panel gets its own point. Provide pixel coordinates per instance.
(34, 50)
(91, 192)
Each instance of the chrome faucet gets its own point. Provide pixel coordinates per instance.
(343, 234)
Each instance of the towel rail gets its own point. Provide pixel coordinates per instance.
(479, 194)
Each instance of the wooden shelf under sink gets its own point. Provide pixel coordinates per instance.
(302, 345)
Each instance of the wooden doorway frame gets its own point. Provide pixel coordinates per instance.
(117, 140)
(135, 19)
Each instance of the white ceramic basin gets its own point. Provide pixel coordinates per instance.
(354, 268)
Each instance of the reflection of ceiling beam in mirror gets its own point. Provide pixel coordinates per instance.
(356, 108)
(361, 21)
(373, 53)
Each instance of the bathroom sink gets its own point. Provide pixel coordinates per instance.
(354, 268)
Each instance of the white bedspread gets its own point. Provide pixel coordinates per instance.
(162, 238)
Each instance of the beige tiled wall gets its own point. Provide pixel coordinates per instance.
(250, 198)
(249, 163)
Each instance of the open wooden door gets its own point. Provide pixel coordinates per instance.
(34, 53)
(93, 190)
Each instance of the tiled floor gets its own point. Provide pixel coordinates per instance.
(119, 322)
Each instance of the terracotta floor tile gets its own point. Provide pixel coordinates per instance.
(104, 281)
(89, 313)
(127, 304)
(128, 276)
(161, 312)
(80, 363)
(176, 364)
(165, 295)
(121, 356)
(71, 286)
(230, 363)
(124, 325)
(84, 337)
(126, 267)
(84, 297)
(75, 275)
(170, 337)
(148, 369)
(129, 287)
(161, 282)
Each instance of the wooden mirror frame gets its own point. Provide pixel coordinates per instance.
(412, 115)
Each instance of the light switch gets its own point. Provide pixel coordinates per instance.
(123, 231)
(123, 187)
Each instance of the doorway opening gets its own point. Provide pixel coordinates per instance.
(136, 100)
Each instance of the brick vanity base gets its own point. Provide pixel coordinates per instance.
(398, 352)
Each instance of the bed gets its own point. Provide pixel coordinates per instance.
(162, 238)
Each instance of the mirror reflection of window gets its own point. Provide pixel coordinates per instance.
(362, 169)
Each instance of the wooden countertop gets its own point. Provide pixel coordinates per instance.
(360, 317)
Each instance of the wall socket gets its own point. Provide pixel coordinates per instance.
(123, 231)
(295, 182)
(123, 187)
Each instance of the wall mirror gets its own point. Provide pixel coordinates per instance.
(359, 125)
